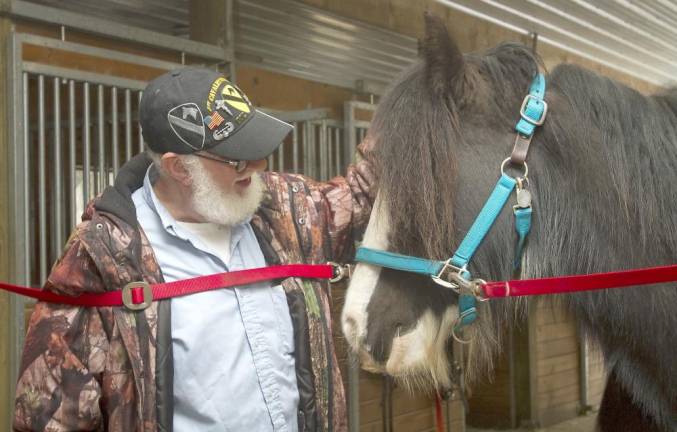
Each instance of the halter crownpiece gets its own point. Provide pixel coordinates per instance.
(453, 273)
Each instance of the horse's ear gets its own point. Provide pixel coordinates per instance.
(443, 59)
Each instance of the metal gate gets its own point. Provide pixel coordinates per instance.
(71, 131)
(315, 147)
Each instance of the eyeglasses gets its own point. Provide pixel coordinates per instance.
(239, 165)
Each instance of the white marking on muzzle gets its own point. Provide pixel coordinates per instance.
(419, 358)
(364, 279)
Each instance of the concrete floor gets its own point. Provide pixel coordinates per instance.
(579, 424)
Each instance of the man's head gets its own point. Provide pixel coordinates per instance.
(209, 143)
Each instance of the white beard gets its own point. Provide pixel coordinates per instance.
(217, 205)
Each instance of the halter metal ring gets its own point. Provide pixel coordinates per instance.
(477, 291)
(455, 336)
(340, 272)
(526, 168)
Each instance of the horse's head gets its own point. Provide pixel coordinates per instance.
(440, 135)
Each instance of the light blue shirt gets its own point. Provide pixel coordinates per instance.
(233, 348)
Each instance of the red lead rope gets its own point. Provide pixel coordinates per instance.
(139, 295)
(590, 282)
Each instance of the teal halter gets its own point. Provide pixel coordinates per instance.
(453, 273)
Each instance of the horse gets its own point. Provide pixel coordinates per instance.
(602, 170)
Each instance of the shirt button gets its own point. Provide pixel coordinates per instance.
(302, 221)
(294, 188)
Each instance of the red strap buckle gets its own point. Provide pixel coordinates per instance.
(130, 298)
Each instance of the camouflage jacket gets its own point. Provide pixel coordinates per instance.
(111, 369)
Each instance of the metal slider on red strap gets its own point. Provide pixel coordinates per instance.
(137, 296)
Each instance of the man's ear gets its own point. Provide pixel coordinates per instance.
(174, 167)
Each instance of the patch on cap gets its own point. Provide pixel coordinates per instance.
(187, 122)
(228, 108)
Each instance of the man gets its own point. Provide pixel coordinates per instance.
(254, 358)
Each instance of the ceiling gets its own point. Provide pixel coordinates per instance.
(637, 37)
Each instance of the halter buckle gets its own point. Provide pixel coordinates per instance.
(523, 110)
(450, 276)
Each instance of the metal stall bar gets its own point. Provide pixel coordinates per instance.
(138, 110)
(337, 151)
(102, 177)
(71, 152)
(128, 124)
(42, 179)
(26, 186)
(58, 193)
(86, 150)
(306, 148)
(324, 151)
(349, 134)
(270, 160)
(295, 148)
(280, 157)
(330, 151)
(114, 129)
(312, 169)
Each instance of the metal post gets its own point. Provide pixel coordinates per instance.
(512, 380)
(128, 124)
(114, 129)
(584, 362)
(42, 180)
(270, 161)
(58, 227)
(86, 151)
(534, 42)
(349, 131)
(71, 153)
(102, 177)
(353, 392)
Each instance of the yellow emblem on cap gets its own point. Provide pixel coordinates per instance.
(234, 98)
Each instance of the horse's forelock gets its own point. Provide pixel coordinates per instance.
(415, 165)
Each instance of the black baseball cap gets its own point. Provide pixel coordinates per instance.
(192, 109)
